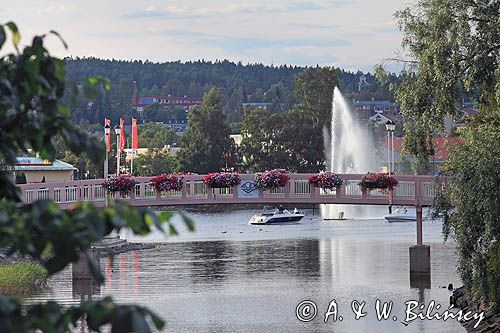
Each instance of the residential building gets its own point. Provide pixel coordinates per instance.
(367, 109)
(260, 105)
(141, 102)
(441, 152)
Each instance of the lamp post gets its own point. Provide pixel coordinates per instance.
(117, 132)
(390, 126)
(107, 130)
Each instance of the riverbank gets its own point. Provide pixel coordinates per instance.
(22, 278)
(467, 302)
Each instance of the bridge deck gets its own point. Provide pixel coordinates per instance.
(411, 191)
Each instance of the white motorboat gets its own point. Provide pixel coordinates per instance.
(276, 216)
(401, 215)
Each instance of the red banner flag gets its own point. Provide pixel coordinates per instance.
(107, 122)
(122, 134)
(135, 143)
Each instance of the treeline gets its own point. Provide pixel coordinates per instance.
(237, 84)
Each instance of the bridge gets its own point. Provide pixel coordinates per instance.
(417, 191)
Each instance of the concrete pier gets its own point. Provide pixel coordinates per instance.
(420, 259)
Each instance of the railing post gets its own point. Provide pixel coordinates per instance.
(63, 191)
(184, 190)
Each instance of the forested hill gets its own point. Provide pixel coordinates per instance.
(239, 83)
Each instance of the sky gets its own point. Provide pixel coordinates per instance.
(350, 34)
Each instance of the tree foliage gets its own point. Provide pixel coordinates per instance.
(154, 162)
(152, 135)
(206, 145)
(454, 49)
(292, 139)
(238, 83)
(473, 189)
(32, 82)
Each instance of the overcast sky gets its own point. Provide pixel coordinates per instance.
(351, 34)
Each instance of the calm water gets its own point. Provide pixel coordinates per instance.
(233, 277)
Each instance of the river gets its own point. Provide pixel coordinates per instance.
(229, 276)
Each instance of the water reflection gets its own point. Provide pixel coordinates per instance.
(254, 285)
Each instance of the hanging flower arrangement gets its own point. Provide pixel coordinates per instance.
(222, 179)
(378, 180)
(326, 180)
(271, 179)
(166, 182)
(122, 184)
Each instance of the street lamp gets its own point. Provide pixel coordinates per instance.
(390, 126)
(107, 130)
(117, 132)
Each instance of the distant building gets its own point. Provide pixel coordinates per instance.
(177, 125)
(368, 109)
(259, 105)
(237, 138)
(362, 82)
(37, 170)
(141, 102)
(441, 152)
(380, 118)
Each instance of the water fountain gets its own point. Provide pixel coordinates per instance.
(350, 149)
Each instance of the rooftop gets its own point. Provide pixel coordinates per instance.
(24, 163)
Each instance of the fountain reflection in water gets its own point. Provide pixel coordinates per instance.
(350, 149)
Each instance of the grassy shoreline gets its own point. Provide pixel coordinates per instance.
(22, 278)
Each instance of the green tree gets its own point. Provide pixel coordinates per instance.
(473, 189)
(152, 135)
(453, 48)
(32, 82)
(153, 163)
(262, 146)
(310, 116)
(206, 145)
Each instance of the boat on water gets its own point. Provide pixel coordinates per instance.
(401, 215)
(279, 215)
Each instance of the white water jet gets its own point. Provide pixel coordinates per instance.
(351, 149)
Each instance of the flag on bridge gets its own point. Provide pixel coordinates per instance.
(107, 122)
(135, 143)
(122, 135)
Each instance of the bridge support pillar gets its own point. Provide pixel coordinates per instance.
(420, 259)
(420, 255)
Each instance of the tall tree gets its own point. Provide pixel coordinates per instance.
(263, 141)
(206, 145)
(311, 115)
(454, 50)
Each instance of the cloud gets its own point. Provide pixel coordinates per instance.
(231, 8)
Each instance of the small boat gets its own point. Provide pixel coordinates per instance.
(401, 215)
(277, 216)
